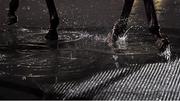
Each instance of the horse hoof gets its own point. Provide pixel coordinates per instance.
(52, 35)
(12, 19)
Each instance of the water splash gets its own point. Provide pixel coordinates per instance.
(68, 36)
(122, 41)
(122, 44)
(167, 53)
(124, 37)
(24, 30)
(115, 57)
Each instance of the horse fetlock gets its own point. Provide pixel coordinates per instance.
(54, 21)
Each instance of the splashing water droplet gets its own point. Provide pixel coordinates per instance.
(115, 57)
(24, 30)
(167, 53)
(121, 42)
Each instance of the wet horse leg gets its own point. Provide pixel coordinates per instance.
(13, 6)
(162, 40)
(152, 17)
(121, 25)
(54, 21)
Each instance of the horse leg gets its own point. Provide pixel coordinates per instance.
(121, 25)
(13, 6)
(54, 21)
(162, 40)
(152, 17)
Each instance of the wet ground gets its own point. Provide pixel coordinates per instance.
(81, 65)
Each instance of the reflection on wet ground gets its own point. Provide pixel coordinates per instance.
(82, 66)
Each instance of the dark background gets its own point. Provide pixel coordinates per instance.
(90, 13)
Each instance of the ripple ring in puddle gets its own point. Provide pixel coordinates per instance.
(29, 60)
(39, 64)
(34, 38)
